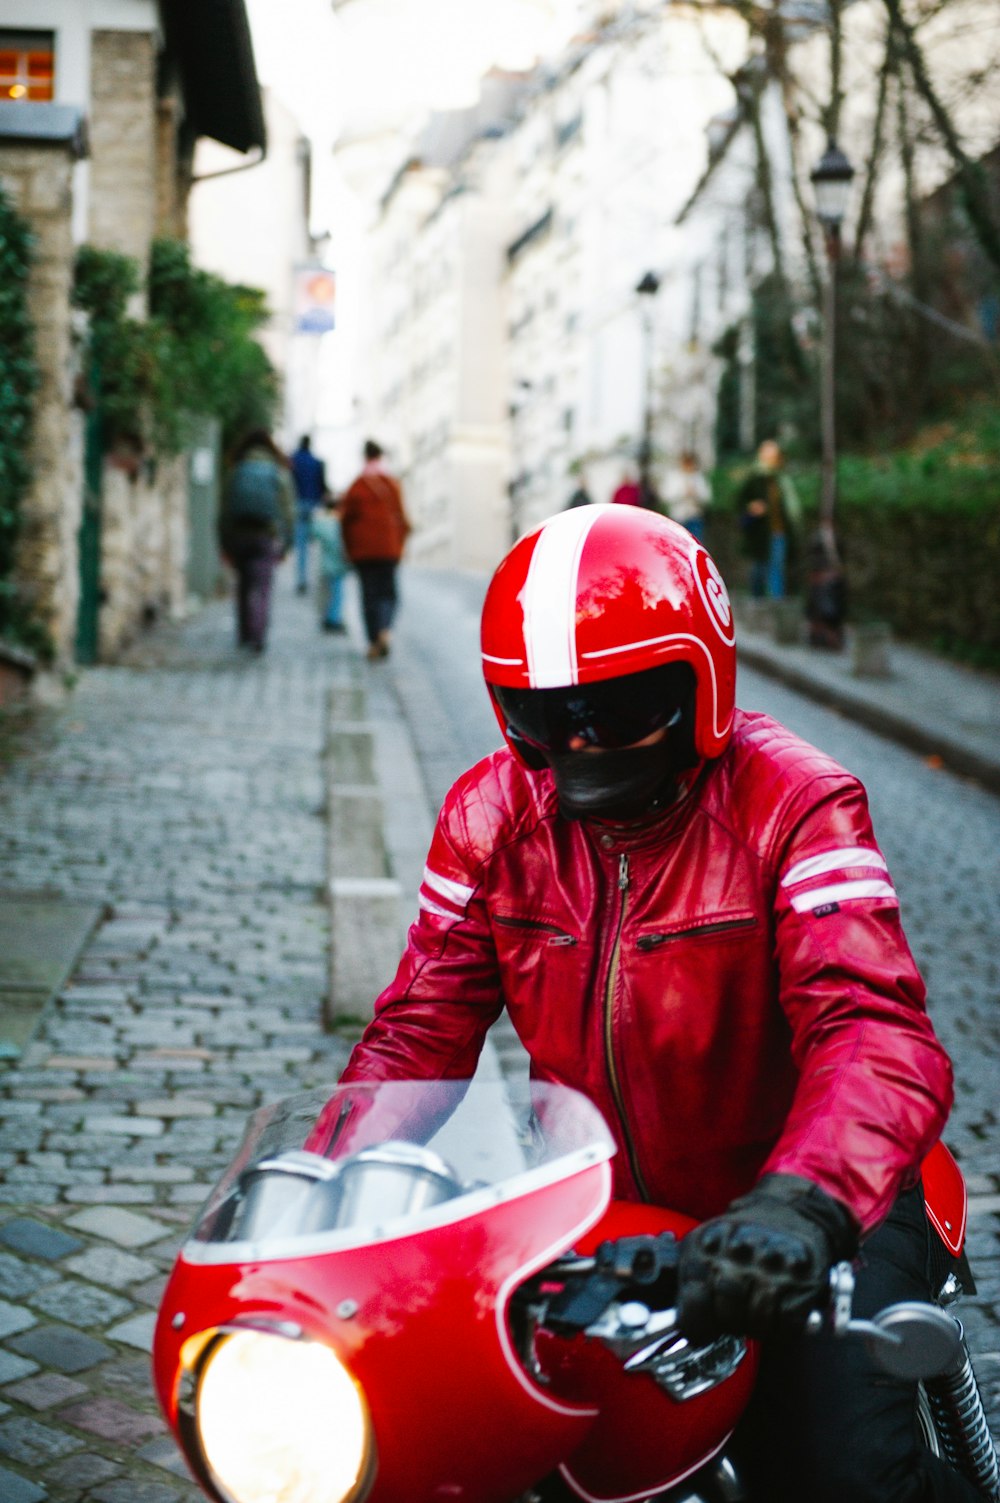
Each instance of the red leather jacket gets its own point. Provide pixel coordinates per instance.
(730, 985)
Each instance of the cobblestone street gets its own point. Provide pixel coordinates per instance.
(183, 793)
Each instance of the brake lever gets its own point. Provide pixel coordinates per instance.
(838, 1317)
(627, 1263)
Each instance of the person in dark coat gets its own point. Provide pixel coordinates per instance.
(769, 515)
(309, 475)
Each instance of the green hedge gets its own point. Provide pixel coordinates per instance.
(919, 532)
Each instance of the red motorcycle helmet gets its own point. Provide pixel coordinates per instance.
(599, 592)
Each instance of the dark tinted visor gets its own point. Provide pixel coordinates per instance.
(612, 714)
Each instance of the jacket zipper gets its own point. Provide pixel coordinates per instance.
(559, 936)
(609, 1050)
(650, 941)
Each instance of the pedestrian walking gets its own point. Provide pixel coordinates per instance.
(628, 491)
(686, 495)
(769, 516)
(309, 474)
(375, 528)
(333, 565)
(581, 496)
(255, 529)
(826, 595)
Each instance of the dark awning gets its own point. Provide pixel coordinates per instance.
(209, 43)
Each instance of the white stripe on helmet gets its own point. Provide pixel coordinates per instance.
(550, 598)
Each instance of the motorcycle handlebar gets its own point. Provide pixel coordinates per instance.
(644, 1267)
(909, 1339)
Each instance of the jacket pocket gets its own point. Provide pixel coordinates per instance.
(710, 927)
(537, 929)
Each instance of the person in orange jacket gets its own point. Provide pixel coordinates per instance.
(375, 527)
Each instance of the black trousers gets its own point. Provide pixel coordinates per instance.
(825, 1424)
(379, 596)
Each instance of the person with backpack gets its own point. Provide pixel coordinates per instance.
(255, 529)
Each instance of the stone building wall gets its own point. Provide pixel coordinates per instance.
(38, 179)
(135, 193)
(173, 173)
(122, 123)
(143, 551)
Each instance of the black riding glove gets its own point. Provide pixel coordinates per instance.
(760, 1267)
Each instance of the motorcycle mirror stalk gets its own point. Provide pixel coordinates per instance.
(911, 1339)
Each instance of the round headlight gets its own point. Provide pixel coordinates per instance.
(282, 1421)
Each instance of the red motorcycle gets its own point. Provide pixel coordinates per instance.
(446, 1305)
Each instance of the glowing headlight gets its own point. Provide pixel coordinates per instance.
(282, 1421)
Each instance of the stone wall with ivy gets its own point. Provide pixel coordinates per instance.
(43, 472)
(193, 353)
(18, 385)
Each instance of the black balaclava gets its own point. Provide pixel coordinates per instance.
(633, 784)
(621, 786)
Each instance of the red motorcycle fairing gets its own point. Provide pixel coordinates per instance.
(643, 1441)
(946, 1197)
(415, 1309)
(428, 1346)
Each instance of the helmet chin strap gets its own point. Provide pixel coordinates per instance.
(626, 786)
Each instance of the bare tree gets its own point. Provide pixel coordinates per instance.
(971, 178)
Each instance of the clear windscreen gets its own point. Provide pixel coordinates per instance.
(374, 1156)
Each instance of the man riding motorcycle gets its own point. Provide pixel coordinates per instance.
(685, 912)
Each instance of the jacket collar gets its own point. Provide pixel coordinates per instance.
(660, 829)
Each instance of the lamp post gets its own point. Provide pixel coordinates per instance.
(831, 178)
(520, 398)
(647, 290)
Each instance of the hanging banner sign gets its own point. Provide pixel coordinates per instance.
(315, 298)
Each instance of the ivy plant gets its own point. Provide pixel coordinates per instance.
(194, 353)
(19, 378)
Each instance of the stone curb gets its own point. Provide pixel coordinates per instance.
(364, 895)
(919, 738)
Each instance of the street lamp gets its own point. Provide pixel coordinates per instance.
(519, 400)
(831, 178)
(647, 290)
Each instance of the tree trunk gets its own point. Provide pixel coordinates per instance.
(866, 207)
(970, 174)
(750, 95)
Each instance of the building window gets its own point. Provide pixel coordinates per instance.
(27, 64)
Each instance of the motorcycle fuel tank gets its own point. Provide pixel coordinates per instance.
(646, 1439)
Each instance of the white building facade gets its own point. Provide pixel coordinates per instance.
(511, 351)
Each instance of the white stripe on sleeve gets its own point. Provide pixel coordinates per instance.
(429, 907)
(840, 892)
(833, 861)
(447, 887)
